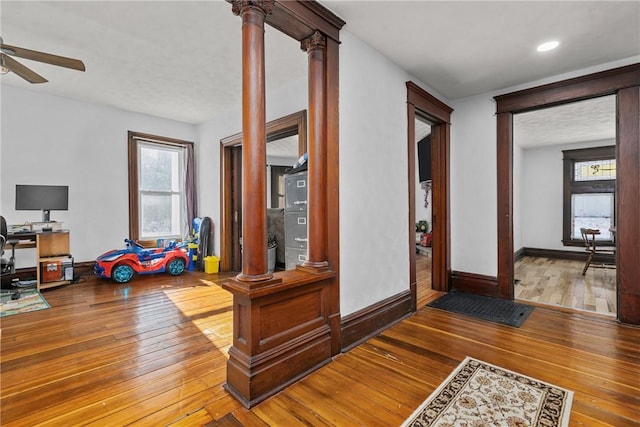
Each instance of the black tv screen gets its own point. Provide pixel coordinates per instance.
(42, 197)
(424, 158)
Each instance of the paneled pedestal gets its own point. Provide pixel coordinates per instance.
(282, 330)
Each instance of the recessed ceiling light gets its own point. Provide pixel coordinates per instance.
(548, 46)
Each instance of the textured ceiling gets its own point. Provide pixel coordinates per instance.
(590, 120)
(171, 59)
(181, 59)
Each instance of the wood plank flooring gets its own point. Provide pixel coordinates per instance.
(153, 352)
(560, 282)
(423, 278)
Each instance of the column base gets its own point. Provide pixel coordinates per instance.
(254, 277)
(314, 266)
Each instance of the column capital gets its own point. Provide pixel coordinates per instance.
(315, 40)
(266, 6)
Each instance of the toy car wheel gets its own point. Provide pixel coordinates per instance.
(122, 273)
(176, 266)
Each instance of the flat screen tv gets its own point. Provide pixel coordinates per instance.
(424, 158)
(45, 198)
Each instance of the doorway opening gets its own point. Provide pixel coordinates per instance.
(423, 208)
(564, 183)
(624, 82)
(286, 141)
(434, 116)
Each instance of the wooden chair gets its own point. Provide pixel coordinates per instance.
(591, 246)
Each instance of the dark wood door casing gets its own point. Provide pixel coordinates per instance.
(624, 82)
(505, 211)
(236, 206)
(628, 204)
(438, 113)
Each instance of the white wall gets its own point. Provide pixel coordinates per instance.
(53, 140)
(57, 141)
(374, 202)
(542, 183)
(473, 186)
(518, 154)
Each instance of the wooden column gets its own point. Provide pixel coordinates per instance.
(317, 149)
(287, 325)
(628, 205)
(254, 143)
(506, 272)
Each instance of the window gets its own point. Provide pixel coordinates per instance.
(589, 193)
(161, 187)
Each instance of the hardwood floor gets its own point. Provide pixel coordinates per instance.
(153, 352)
(423, 278)
(150, 352)
(560, 282)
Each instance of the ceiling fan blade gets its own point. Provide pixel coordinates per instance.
(34, 55)
(22, 71)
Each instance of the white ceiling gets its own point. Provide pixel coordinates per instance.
(181, 59)
(173, 59)
(463, 48)
(589, 120)
(284, 148)
(422, 128)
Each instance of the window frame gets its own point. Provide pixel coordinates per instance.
(134, 140)
(571, 186)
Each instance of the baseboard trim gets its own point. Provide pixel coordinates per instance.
(568, 255)
(83, 268)
(363, 324)
(474, 283)
(517, 255)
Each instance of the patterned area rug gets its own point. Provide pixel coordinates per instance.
(480, 394)
(30, 300)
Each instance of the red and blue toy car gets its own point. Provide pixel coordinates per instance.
(121, 264)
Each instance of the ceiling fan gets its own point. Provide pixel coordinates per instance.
(7, 63)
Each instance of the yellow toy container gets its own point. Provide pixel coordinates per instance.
(211, 264)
